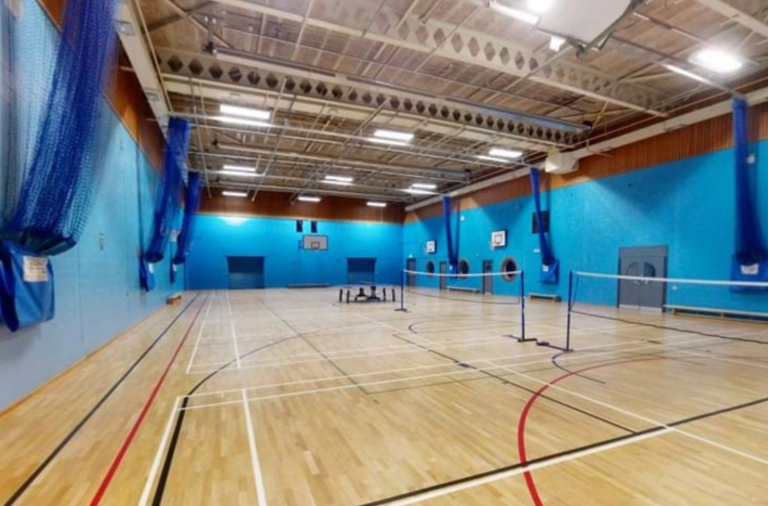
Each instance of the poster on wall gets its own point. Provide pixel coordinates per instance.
(431, 247)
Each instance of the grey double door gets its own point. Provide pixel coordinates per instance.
(643, 262)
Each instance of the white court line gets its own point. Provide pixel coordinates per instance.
(200, 334)
(521, 470)
(438, 366)
(257, 475)
(398, 380)
(159, 455)
(656, 423)
(232, 330)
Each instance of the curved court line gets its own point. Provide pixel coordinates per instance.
(51, 456)
(118, 459)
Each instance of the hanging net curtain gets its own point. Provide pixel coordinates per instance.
(192, 200)
(550, 266)
(51, 108)
(453, 248)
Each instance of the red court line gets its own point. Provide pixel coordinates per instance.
(529, 482)
(142, 415)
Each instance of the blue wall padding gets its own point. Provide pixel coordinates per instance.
(750, 262)
(453, 253)
(169, 193)
(191, 206)
(58, 175)
(26, 287)
(549, 265)
(285, 263)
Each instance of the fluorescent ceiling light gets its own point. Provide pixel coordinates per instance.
(525, 17)
(377, 204)
(245, 112)
(343, 179)
(505, 153)
(305, 198)
(687, 73)
(242, 121)
(337, 183)
(238, 173)
(717, 60)
(234, 194)
(386, 141)
(556, 43)
(540, 6)
(424, 186)
(393, 135)
(239, 168)
(492, 159)
(414, 191)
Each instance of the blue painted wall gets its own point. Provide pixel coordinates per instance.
(97, 290)
(218, 237)
(688, 205)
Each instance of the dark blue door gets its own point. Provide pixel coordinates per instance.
(361, 271)
(245, 273)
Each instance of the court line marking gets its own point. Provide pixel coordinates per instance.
(232, 330)
(159, 455)
(635, 415)
(617, 348)
(397, 380)
(200, 333)
(257, 474)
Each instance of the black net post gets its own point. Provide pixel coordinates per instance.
(570, 305)
(402, 292)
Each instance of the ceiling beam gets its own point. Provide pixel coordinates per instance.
(737, 15)
(470, 47)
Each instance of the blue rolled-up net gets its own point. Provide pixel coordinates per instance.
(50, 112)
(453, 254)
(750, 261)
(550, 267)
(168, 202)
(191, 205)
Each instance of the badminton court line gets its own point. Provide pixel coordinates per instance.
(257, 474)
(232, 330)
(200, 333)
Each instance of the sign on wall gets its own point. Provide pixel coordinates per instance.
(431, 247)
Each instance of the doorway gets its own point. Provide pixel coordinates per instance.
(487, 279)
(410, 265)
(443, 278)
(245, 273)
(644, 262)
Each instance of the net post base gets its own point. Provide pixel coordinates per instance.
(547, 344)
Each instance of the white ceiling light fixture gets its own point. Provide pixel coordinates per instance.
(505, 153)
(341, 179)
(307, 198)
(415, 191)
(540, 6)
(387, 141)
(245, 112)
(239, 195)
(556, 43)
(337, 183)
(717, 60)
(492, 159)
(525, 17)
(242, 121)
(238, 173)
(393, 135)
(239, 168)
(687, 73)
(424, 186)
(376, 204)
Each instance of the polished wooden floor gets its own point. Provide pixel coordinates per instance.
(284, 398)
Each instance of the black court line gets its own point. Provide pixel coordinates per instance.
(521, 387)
(490, 303)
(51, 456)
(495, 323)
(553, 456)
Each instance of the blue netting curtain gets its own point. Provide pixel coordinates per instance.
(169, 192)
(549, 264)
(453, 254)
(51, 125)
(191, 205)
(750, 262)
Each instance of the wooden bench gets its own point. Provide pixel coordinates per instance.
(174, 299)
(734, 314)
(544, 296)
(309, 285)
(463, 289)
